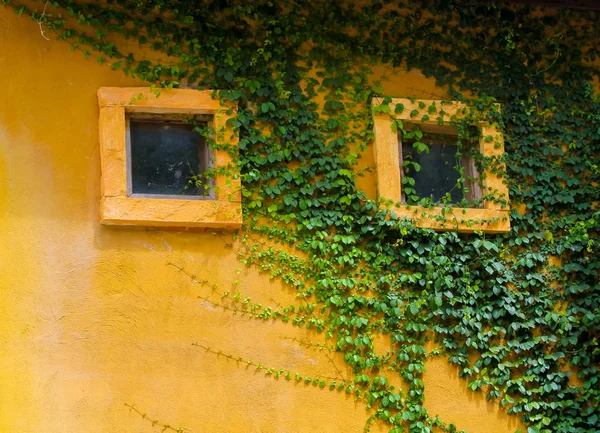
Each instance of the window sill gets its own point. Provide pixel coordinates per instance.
(462, 220)
(170, 212)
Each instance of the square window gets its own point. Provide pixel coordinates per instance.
(167, 159)
(437, 176)
(438, 169)
(418, 157)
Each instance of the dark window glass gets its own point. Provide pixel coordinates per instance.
(164, 158)
(439, 172)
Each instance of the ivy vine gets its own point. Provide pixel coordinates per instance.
(517, 312)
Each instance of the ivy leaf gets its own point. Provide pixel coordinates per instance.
(490, 246)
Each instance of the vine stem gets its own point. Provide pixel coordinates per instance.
(155, 422)
(41, 20)
(260, 366)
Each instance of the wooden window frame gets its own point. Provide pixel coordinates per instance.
(207, 155)
(119, 207)
(493, 217)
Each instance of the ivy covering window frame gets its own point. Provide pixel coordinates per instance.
(492, 217)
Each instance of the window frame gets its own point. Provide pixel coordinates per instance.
(493, 217)
(119, 207)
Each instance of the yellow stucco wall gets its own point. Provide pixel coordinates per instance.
(95, 317)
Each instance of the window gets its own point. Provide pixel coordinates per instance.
(418, 157)
(167, 159)
(158, 168)
(439, 170)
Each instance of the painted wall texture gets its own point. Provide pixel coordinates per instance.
(93, 317)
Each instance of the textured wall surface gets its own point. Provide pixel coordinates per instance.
(95, 317)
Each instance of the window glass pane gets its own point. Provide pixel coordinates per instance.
(439, 168)
(164, 157)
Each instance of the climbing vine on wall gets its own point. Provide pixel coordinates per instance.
(517, 312)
